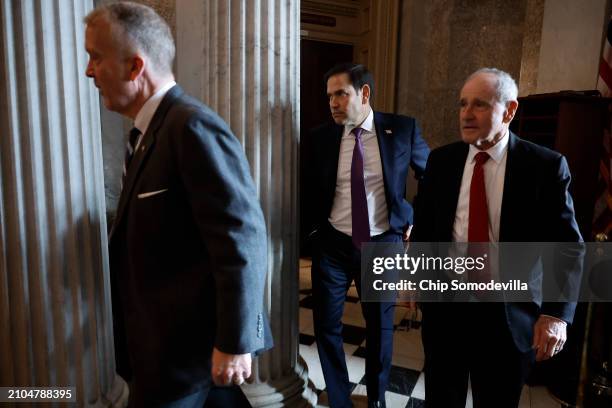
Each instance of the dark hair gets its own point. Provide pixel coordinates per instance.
(357, 73)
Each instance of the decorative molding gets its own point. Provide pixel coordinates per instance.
(317, 19)
(346, 8)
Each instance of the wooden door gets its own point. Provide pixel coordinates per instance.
(317, 57)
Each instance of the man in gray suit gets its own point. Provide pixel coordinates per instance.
(188, 245)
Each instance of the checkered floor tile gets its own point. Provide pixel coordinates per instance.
(407, 381)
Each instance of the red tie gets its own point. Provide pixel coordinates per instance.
(478, 223)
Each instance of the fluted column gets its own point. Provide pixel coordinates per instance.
(242, 59)
(55, 317)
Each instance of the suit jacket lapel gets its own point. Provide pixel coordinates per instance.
(511, 189)
(386, 146)
(455, 175)
(143, 152)
(333, 150)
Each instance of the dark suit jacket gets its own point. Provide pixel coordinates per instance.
(536, 207)
(188, 262)
(401, 145)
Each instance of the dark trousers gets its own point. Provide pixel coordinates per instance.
(472, 340)
(335, 264)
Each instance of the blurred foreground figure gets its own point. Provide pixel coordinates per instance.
(188, 245)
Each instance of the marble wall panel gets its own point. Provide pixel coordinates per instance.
(443, 41)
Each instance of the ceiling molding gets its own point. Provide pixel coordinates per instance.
(346, 8)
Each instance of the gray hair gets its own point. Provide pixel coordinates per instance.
(505, 88)
(140, 28)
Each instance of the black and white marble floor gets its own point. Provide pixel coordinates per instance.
(407, 382)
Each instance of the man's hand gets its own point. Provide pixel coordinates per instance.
(549, 335)
(230, 368)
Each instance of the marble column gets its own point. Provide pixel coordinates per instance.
(55, 316)
(242, 59)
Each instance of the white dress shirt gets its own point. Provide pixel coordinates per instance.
(340, 217)
(145, 114)
(494, 175)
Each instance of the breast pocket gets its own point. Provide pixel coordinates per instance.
(150, 194)
(150, 210)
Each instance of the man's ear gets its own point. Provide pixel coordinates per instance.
(510, 111)
(365, 94)
(137, 67)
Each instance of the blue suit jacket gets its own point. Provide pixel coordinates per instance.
(401, 145)
(188, 253)
(536, 207)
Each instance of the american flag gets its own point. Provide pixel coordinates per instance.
(604, 82)
(602, 219)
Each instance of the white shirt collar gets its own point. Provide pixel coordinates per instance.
(367, 124)
(144, 116)
(496, 152)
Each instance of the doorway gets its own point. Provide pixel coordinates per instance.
(317, 57)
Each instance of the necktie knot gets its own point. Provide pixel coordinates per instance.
(357, 132)
(481, 158)
(133, 139)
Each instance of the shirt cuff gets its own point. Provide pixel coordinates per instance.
(555, 318)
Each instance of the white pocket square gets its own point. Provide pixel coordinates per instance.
(151, 193)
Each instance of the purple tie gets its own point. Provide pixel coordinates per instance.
(359, 203)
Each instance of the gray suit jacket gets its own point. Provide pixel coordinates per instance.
(188, 253)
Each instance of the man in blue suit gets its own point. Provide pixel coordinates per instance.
(357, 179)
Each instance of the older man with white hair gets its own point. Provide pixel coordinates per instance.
(188, 245)
(491, 187)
